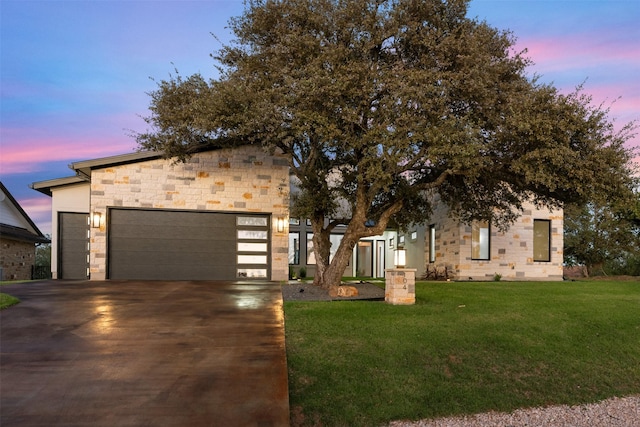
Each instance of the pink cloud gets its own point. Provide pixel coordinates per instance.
(31, 154)
(580, 51)
(39, 210)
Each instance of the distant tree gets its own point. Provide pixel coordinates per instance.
(43, 254)
(603, 236)
(380, 104)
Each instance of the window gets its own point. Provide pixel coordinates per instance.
(335, 242)
(413, 236)
(252, 259)
(311, 256)
(432, 243)
(252, 272)
(334, 239)
(480, 240)
(252, 235)
(294, 248)
(542, 240)
(252, 247)
(252, 221)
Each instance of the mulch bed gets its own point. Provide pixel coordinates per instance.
(306, 291)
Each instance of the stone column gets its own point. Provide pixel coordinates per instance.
(400, 286)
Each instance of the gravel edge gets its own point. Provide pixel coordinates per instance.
(613, 412)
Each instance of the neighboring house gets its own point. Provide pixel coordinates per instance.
(224, 214)
(18, 239)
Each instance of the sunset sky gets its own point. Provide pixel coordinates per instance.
(74, 74)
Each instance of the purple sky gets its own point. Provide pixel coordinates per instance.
(74, 74)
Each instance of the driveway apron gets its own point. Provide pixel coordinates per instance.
(139, 353)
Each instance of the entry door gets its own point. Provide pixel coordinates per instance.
(73, 245)
(364, 259)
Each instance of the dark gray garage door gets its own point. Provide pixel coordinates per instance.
(73, 245)
(156, 244)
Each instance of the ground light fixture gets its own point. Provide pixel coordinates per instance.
(400, 258)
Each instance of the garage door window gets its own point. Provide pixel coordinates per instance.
(252, 221)
(252, 247)
(252, 259)
(253, 235)
(253, 273)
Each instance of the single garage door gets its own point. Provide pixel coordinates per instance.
(155, 244)
(73, 245)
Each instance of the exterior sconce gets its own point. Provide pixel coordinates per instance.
(96, 220)
(280, 224)
(400, 258)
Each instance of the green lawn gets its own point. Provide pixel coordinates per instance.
(7, 300)
(463, 348)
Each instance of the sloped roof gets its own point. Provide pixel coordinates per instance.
(83, 169)
(45, 186)
(28, 233)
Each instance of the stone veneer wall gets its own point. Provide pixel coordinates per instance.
(511, 252)
(244, 179)
(16, 259)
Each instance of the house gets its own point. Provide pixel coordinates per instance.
(18, 239)
(224, 214)
(220, 215)
(445, 248)
(531, 249)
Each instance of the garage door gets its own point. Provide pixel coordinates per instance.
(156, 244)
(73, 245)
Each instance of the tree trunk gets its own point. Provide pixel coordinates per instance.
(329, 274)
(596, 269)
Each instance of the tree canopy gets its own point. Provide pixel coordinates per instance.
(603, 236)
(380, 104)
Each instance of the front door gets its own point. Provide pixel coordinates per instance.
(364, 259)
(73, 245)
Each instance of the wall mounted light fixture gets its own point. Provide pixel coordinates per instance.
(96, 220)
(280, 224)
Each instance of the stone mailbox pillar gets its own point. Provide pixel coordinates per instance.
(400, 286)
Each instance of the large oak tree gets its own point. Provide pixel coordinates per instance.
(380, 104)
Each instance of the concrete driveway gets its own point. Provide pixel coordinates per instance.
(137, 353)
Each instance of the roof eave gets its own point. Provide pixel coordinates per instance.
(45, 187)
(84, 167)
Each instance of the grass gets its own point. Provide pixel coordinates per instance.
(7, 300)
(462, 348)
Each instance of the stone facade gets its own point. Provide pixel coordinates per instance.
(510, 252)
(244, 179)
(16, 259)
(400, 286)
